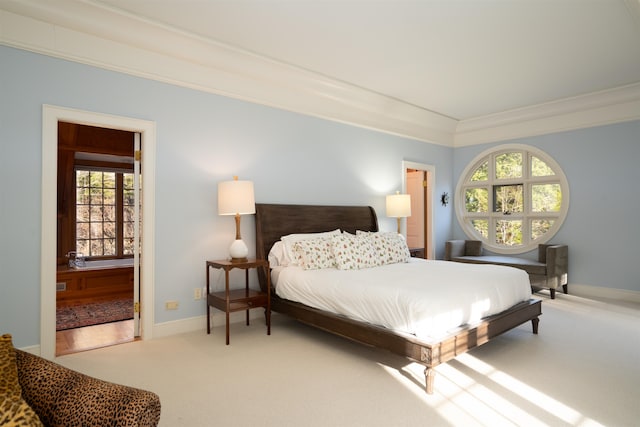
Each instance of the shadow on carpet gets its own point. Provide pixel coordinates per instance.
(95, 313)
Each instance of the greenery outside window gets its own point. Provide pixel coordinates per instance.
(512, 197)
(104, 213)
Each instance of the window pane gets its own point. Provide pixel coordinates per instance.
(482, 173)
(481, 226)
(82, 196)
(128, 213)
(128, 230)
(509, 232)
(128, 181)
(96, 196)
(96, 213)
(508, 199)
(128, 246)
(539, 227)
(82, 246)
(477, 200)
(546, 197)
(109, 197)
(540, 168)
(95, 179)
(96, 230)
(82, 231)
(128, 197)
(82, 178)
(109, 179)
(82, 213)
(96, 248)
(509, 166)
(109, 247)
(109, 229)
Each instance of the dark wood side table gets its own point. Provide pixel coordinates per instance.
(239, 299)
(417, 252)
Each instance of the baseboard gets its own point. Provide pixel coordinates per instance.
(199, 323)
(599, 292)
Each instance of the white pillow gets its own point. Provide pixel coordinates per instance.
(291, 239)
(353, 252)
(315, 254)
(277, 256)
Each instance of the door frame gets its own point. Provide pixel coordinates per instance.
(430, 171)
(51, 115)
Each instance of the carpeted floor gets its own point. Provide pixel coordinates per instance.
(97, 313)
(581, 370)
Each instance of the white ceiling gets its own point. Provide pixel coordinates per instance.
(461, 59)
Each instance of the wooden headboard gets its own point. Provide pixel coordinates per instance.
(274, 221)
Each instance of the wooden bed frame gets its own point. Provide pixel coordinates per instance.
(274, 221)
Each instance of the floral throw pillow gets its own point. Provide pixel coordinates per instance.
(314, 254)
(390, 247)
(353, 252)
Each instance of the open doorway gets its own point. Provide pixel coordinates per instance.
(419, 181)
(52, 116)
(98, 238)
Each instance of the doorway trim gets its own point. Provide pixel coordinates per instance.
(51, 115)
(430, 170)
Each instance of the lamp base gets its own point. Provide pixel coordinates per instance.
(238, 251)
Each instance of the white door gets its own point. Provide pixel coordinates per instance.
(136, 234)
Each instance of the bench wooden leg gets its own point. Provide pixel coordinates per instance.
(565, 289)
(553, 293)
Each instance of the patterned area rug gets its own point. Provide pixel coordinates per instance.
(97, 313)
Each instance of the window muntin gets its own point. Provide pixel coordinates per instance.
(512, 197)
(104, 213)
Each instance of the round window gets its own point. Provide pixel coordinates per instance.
(512, 197)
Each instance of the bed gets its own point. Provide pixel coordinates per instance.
(276, 220)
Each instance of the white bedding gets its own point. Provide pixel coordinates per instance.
(422, 297)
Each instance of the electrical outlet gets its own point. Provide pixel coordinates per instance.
(197, 294)
(171, 305)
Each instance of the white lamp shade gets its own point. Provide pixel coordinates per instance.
(399, 205)
(236, 197)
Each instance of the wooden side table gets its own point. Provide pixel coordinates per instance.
(239, 299)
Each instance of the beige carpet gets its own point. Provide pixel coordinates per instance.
(583, 369)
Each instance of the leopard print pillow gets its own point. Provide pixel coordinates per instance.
(9, 385)
(17, 413)
(14, 411)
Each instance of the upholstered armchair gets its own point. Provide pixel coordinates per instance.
(62, 397)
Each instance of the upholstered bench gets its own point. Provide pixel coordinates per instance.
(548, 272)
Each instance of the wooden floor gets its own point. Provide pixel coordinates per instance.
(91, 337)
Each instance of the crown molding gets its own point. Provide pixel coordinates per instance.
(91, 33)
(595, 109)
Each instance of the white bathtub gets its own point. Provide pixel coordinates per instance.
(106, 263)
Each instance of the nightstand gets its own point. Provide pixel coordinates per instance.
(417, 252)
(239, 299)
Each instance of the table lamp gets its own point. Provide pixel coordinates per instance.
(236, 198)
(398, 206)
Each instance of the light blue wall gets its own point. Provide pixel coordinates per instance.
(201, 139)
(601, 229)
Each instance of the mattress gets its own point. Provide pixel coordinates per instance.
(425, 298)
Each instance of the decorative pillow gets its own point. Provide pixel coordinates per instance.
(291, 239)
(9, 385)
(390, 247)
(17, 413)
(315, 254)
(14, 411)
(353, 252)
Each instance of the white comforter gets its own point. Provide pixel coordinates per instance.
(422, 297)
